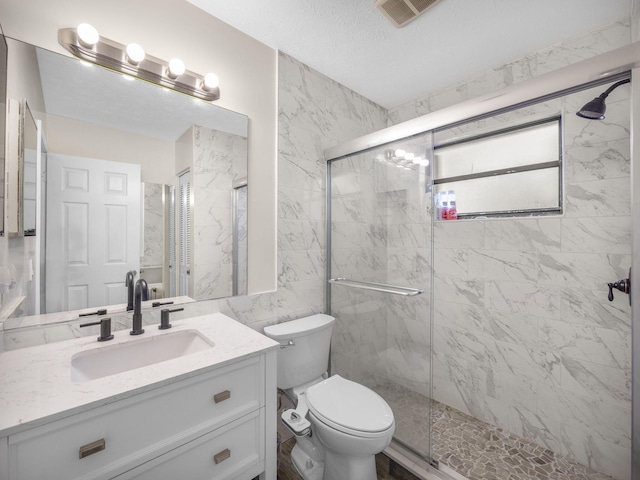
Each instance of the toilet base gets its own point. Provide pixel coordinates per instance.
(307, 460)
(340, 467)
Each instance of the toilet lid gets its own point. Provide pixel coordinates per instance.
(346, 405)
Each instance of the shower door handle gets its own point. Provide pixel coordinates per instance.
(378, 287)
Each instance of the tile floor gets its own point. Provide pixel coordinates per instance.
(387, 469)
(471, 447)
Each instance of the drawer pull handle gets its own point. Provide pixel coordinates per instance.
(222, 396)
(222, 456)
(91, 448)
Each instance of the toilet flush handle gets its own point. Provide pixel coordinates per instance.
(290, 343)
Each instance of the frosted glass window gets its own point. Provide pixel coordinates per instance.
(512, 171)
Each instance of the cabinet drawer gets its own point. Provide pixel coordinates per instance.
(233, 452)
(139, 428)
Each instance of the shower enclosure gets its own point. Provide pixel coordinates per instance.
(499, 317)
(380, 274)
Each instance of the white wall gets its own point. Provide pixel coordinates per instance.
(22, 64)
(83, 139)
(167, 29)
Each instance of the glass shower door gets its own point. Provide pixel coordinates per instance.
(379, 290)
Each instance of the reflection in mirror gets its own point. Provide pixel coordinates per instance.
(115, 149)
(29, 154)
(240, 237)
(3, 109)
(158, 239)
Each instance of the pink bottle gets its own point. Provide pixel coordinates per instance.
(452, 212)
(444, 202)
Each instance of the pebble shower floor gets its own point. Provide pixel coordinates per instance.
(475, 449)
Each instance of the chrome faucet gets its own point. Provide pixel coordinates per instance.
(128, 282)
(141, 294)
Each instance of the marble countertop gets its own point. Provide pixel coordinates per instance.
(36, 381)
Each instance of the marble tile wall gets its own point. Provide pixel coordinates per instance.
(524, 336)
(219, 160)
(537, 63)
(17, 259)
(153, 230)
(315, 113)
(381, 233)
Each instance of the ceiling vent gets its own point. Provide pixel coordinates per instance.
(401, 12)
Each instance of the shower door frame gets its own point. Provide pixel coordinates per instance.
(406, 291)
(602, 69)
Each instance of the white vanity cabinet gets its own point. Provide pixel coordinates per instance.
(214, 423)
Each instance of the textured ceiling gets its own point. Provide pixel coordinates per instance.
(93, 94)
(352, 43)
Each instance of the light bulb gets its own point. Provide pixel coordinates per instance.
(210, 81)
(176, 67)
(87, 35)
(135, 53)
(416, 160)
(399, 153)
(424, 162)
(409, 156)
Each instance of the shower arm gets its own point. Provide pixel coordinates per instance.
(606, 93)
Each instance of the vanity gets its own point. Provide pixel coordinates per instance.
(196, 401)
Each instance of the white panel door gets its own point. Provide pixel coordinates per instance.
(93, 231)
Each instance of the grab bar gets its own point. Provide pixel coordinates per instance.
(378, 287)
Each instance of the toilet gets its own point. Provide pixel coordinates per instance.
(340, 425)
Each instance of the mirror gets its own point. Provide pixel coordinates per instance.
(3, 108)
(116, 148)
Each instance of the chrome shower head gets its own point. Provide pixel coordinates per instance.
(594, 110)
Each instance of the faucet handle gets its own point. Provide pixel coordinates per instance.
(157, 304)
(105, 328)
(164, 317)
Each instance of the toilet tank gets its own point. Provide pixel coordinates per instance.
(307, 357)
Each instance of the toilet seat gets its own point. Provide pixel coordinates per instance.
(350, 407)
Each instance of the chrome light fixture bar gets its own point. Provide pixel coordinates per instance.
(85, 43)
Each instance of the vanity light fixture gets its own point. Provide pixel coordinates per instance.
(404, 159)
(210, 81)
(176, 68)
(135, 53)
(86, 43)
(87, 35)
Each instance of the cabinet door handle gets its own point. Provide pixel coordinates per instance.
(91, 448)
(222, 396)
(221, 456)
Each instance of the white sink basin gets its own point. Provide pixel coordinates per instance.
(112, 359)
